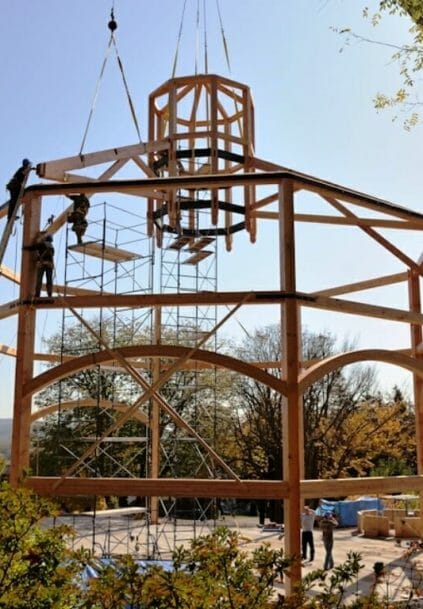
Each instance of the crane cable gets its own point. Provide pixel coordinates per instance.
(206, 60)
(228, 62)
(178, 42)
(222, 31)
(112, 25)
(197, 38)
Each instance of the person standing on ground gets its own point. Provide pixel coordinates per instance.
(327, 523)
(307, 523)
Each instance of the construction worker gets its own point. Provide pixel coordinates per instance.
(15, 184)
(45, 263)
(81, 205)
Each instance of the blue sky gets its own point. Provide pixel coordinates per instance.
(313, 106)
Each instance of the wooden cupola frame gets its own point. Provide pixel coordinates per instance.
(177, 124)
(204, 125)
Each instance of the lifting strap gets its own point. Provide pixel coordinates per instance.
(112, 25)
(10, 223)
(175, 61)
(228, 62)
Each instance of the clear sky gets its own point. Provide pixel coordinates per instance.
(313, 105)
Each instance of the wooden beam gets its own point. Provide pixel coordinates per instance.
(90, 360)
(243, 489)
(327, 365)
(89, 403)
(390, 247)
(6, 350)
(9, 274)
(337, 220)
(367, 284)
(9, 309)
(290, 349)
(302, 181)
(228, 298)
(24, 368)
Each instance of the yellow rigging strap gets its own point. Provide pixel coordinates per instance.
(112, 25)
(225, 45)
(175, 61)
(206, 60)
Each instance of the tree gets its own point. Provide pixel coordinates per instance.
(409, 57)
(327, 404)
(37, 571)
(349, 428)
(63, 436)
(374, 435)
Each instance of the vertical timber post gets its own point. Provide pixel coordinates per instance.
(155, 419)
(416, 341)
(290, 344)
(21, 429)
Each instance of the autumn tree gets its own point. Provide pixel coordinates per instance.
(378, 438)
(350, 429)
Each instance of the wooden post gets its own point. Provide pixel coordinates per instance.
(290, 339)
(155, 419)
(21, 428)
(416, 342)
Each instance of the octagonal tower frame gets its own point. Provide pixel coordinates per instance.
(234, 177)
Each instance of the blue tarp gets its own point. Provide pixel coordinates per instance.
(346, 511)
(90, 571)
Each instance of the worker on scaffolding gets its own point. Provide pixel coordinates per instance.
(45, 263)
(14, 186)
(81, 205)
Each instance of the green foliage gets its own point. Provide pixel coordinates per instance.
(408, 57)
(36, 569)
(212, 572)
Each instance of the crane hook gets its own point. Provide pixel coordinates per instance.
(112, 25)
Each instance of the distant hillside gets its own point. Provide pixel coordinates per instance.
(5, 436)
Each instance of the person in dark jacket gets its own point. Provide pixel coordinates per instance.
(15, 184)
(45, 264)
(81, 205)
(327, 523)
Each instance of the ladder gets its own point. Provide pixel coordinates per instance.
(9, 223)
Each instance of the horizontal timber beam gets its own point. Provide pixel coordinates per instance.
(244, 489)
(303, 181)
(226, 298)
(338, 220)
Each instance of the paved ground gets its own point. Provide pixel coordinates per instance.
(118, 535)
(403, 568)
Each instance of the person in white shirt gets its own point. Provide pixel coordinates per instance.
(307, 524)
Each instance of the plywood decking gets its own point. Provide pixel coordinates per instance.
(96, 249)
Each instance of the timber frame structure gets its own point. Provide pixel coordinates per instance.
(190, 152)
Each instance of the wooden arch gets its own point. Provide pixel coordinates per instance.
(44, 412)
(319, 370)
(152, 351)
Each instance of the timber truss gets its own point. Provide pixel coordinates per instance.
(167, 190)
